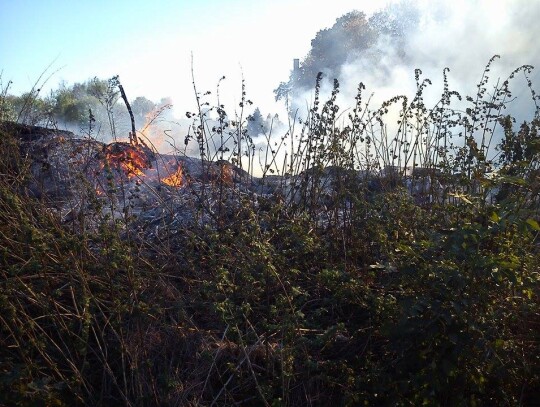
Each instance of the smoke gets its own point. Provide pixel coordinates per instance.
(461, 35)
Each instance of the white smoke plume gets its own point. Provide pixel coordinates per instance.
(461, 35)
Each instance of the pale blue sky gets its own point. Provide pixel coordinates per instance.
(149, 43)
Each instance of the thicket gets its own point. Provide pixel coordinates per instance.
(356, 284)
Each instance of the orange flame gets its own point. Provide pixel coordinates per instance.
(131, 159)
(151, 130)
(176, 179)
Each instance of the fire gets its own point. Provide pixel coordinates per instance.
(129, 158)
(152, 130)
(136, 161)
(175, 179)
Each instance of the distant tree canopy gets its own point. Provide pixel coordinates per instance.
(75, 105)
(71, 104)
(141, 106)
(353, 35)
(350, 35)
(257, 124)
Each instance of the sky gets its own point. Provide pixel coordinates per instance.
(152, 45)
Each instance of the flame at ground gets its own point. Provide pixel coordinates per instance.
(131, 159)
(176, 179)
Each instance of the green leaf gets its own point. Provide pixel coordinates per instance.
(533, 224)
(514, 180)
(495, 217)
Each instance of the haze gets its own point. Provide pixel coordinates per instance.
(150, 44)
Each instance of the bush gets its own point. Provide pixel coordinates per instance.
(354, 282)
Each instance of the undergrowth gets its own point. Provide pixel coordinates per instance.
(382, 270)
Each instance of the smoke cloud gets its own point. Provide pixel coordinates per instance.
(461, 35)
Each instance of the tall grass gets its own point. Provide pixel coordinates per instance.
(362, 267)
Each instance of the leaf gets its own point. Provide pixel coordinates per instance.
(463, 197)
(533, 224)
(376, 266)
(513, 180)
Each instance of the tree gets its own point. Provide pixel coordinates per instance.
(141, 107)
(331, 48)
(352, 36)
(72, 103)
(256, 124)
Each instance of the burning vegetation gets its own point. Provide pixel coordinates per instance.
(176, 179)
(130, 159)
(138, 162)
